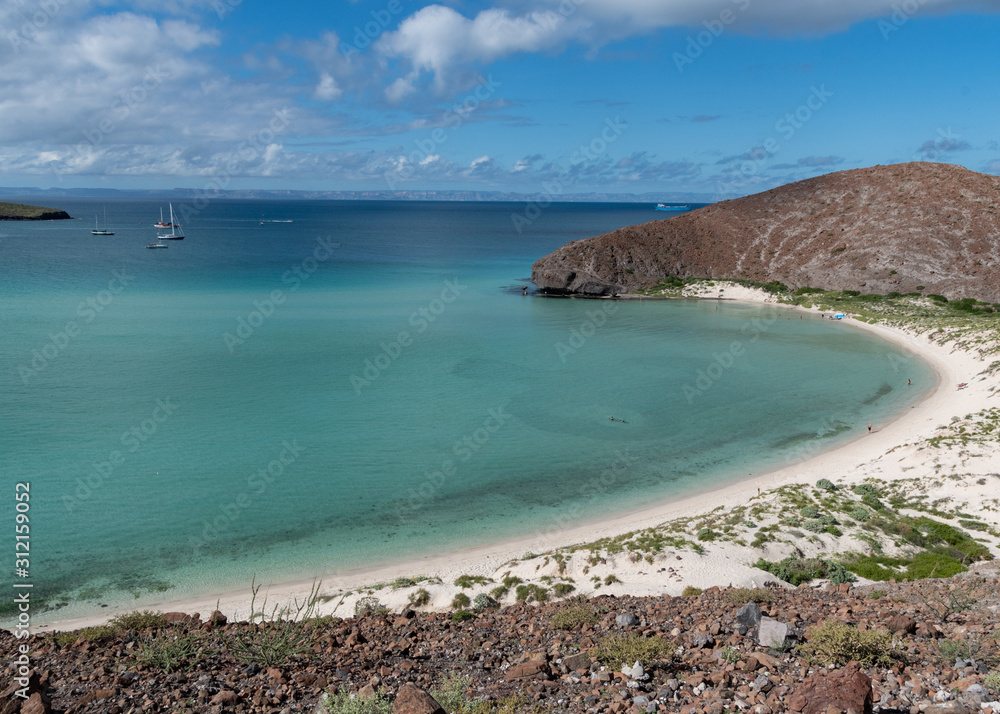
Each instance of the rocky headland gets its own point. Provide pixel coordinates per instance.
(24, 212)
(914, 227)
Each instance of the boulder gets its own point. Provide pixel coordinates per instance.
(702, 640)
(532, 669)
(843, 689)
(901, 624)
(626, 619)
(413, 700)
(772, 633)
(749, 615)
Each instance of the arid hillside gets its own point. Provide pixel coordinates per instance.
(906, 227)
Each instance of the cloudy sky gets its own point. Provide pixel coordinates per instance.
(719, 97)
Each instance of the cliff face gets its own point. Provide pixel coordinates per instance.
(877, 230)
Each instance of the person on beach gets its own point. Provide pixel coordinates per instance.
(869, 427)
(907, 383)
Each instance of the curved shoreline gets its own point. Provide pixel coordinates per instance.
(721, 565)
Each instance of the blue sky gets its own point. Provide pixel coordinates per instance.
(717, 98)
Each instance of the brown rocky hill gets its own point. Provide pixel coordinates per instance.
(932, 227)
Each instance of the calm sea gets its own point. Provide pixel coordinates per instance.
(305, 388)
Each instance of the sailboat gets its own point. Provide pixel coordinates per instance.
(161, 224)
(99, 232)
(173, 234)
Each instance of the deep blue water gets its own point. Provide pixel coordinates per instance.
(303, 388)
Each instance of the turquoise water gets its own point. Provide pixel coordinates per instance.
(366, 383)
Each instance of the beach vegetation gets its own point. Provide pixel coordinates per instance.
(368, 605)
(460, 601)
(346, 703)
(467, 581)
(992, 681)
(691, 591)
(281, 634)
(531, 593)
(730, 655)
(482, 602)
(168, 651)
(860, 514)
(809, 512)
(616, 650)
(837, 643)
(741, 596)
(419, 598)
(563, 589)
(498, 593)
(611, 579)
(706, 534)
(876, 594)
(453, 696)
(462, 615)
(795, 570)
(138, 620)
(96, 635)
(573, 616)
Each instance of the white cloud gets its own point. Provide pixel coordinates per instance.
(327, 89)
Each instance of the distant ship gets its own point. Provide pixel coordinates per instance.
(665, 207)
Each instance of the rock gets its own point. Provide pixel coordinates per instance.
(413, 700)
(626, 619)
(702, 641)
(177, 618)
(847, 688)
(367, 691)
(226, 696)
(532, 669)
(217, 618)
(97, 695)
(771, 633)
(749, 615)
(37, 703)
(634, 672)
(952, 707)
(580, 660)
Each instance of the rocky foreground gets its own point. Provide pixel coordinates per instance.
(928, 646)
(914, 227)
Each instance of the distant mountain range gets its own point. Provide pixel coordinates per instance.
(264, 194)
(907, 227)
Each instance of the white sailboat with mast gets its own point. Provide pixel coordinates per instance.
(174, 234)
(97, 231)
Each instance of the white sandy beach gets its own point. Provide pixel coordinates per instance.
(966, 478)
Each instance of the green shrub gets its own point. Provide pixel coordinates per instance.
(838, 643)
(419, 598)
(809, 512)
(938, 298)
(730, 655)
(615, 650)
(460, 601)
(691, 591)
(167, 652)
(706, 534)
(933, 565)
(992, 680)
(369, 604)
(462, 616)
(570, 617)
(453, 697)
(279, 634)
(860, 514)
(139, 620)
(467, 581)
(482, 601)
(814, 525)
(97, 634)
(872, 502)
(864, 489)
(877, 594)
(741, 596)
(498, 593)
(794, 570)
(611, 579)
(344, 703)
(826, 484)
(838, 574)
(563, 589)
(531, 593)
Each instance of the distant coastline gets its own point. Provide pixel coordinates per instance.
(24, 212)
